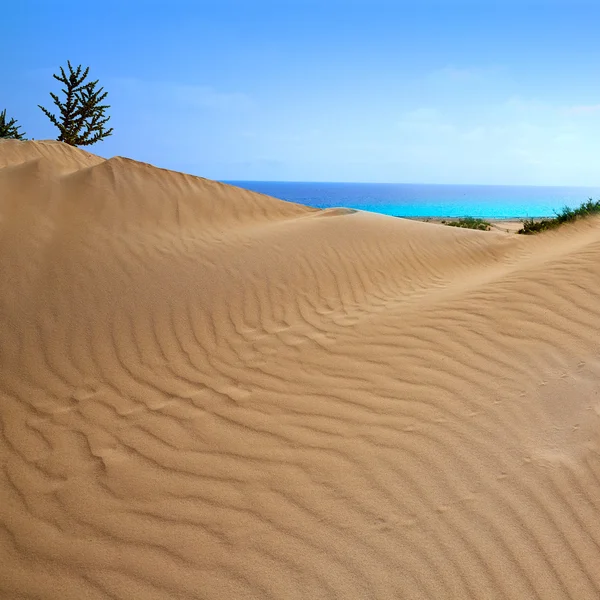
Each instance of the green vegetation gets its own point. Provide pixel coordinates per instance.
(566, 215)
(82, 120)
(9, 129)
(469, 223)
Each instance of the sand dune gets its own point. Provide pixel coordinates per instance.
(206, 393)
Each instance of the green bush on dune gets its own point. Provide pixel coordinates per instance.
(469, 223)
(531, 225)
(9, 128)
(566, 215)
(81, 119)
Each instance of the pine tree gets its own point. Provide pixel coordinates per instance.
(9, 129)
(82, 120)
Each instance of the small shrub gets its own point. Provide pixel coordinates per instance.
(566, 215)
(469, 223)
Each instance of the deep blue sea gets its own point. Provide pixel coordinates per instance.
(419, 200)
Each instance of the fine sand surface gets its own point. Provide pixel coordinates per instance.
(207, 393)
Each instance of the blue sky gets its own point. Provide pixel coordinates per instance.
(498, 92)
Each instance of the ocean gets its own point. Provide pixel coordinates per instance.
(420, 200)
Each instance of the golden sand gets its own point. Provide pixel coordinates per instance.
(207, 393)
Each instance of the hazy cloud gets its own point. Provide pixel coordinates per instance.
(180, 95)
(454, 74)
(583, 109)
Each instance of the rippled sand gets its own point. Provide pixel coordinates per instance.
(206, 393)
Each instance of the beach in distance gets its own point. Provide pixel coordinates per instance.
(209, 393)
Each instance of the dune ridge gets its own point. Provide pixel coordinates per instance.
(210, 393)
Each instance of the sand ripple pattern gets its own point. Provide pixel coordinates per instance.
(206, 393)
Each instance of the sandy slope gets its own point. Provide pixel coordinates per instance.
(209, 393)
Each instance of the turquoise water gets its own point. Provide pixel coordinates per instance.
(419, 200)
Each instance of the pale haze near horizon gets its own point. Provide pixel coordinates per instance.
(428, 92)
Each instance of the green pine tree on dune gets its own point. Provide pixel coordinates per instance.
(9, 129)
(81, 120)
